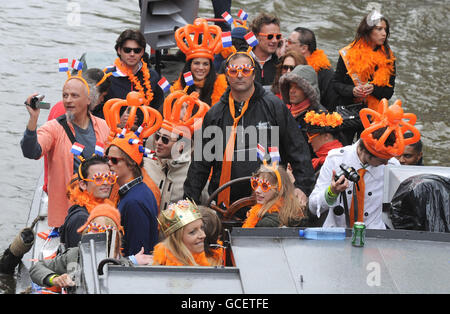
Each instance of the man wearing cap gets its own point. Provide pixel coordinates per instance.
(137, 204)
(52, 140)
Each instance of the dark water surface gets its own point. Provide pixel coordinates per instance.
(35, 34)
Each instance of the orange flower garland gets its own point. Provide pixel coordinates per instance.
(318, 60)
(148, 95)
(321, 119)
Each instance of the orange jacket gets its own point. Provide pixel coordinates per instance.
(56, 147)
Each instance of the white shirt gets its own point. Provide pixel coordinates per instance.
(373, 179)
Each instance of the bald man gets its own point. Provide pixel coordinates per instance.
(55, 138)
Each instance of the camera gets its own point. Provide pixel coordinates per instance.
(349, 173)
(36, 102)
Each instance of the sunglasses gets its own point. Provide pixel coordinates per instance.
(135, 50)
(288, 67)
(271, 36)
(163, 138)
(102, 178)
(311, 136)
(97, 228)
(114, 160)
(264, 184)
(246, 70)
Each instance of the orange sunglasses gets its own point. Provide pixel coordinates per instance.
(264, 184)
(101, 178)
(246, 70)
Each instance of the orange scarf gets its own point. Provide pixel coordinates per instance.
(218, 255)
(148, 95)
(369, 66)
(360, 198)
(162, 256)
(225, 175)
(318, 60)
(298, 108)
(253, 215)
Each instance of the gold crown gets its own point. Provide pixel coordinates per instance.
(182, 120)
(178, 215)
(195, 46)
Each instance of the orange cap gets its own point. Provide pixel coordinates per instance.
(103, 210)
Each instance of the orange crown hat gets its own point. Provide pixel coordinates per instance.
(322, 121)
(195, 46)
(392, 118)
(174, 104)
(103, 210)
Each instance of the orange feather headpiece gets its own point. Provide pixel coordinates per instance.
(195, 46)
(392, 118)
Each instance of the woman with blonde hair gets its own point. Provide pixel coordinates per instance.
(182, 225)
(276, 203)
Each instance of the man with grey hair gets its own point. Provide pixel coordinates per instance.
(55, 138)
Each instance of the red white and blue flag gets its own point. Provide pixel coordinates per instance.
(242, 14)
(188, 78)
(99, 149)
(260, 151)
(227, 17)
(274, 154)
(133, 141)
(63, 65)
(77, 65)
(164, 84)
(77, 149)
(251, 39)
(226, 40)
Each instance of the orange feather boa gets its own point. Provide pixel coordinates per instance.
(220, 85)
(162, 256)
(254, 216)
(318, 60)
(84, 198)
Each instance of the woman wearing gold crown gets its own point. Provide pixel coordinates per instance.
(199, 60)
(182, 225)
(365, 71)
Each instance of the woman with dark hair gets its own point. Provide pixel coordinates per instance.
(287, 63)
(365, 72)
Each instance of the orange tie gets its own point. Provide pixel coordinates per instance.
(225, 175)
(359, 198)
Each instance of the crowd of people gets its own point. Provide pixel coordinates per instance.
(125, 155)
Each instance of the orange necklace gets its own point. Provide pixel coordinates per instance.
(148, 95)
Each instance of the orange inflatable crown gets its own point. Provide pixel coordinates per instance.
(392, 118)
(195, 46)
(179, 116)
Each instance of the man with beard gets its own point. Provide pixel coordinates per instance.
(55, 138)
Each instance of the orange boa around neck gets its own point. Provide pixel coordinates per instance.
(318, 60)
(254, 216)
(220, 85)
(84, 198)
(162, 256)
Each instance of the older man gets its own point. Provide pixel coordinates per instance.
(254, 116)
(55, 138)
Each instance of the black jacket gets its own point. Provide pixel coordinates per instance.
(76, 217)
(266, 74)
(328, 96)
(343, 85)
(265, 110)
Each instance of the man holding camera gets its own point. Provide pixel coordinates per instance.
(335, 193)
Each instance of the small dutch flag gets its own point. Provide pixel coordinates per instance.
(164, 84)
(226, 40)
(99, 149)
(77, 65)
(132, 141)
(242, 14)
(274, 154)
(227, 17)
(63, 65)
(77, 149)
(261, 152)
(188, 78)
(251, 39)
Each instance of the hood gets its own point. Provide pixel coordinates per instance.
(306, 78)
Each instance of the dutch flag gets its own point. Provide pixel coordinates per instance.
(261, 152)
(164, 84)
(132, 141)
(242, 14)
(63, 65)
(77, 65)
(188, 78)
(99, 149)
(251, 39)
(77, 149)
(227, 17)
(274, 154)
(226, 39)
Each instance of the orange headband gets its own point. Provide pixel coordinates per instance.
(392, 118)
(274, 167)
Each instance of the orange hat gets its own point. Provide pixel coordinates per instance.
(195, 46)
(391, 118)
(131, 145)
(103, 210)
(189, 122)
